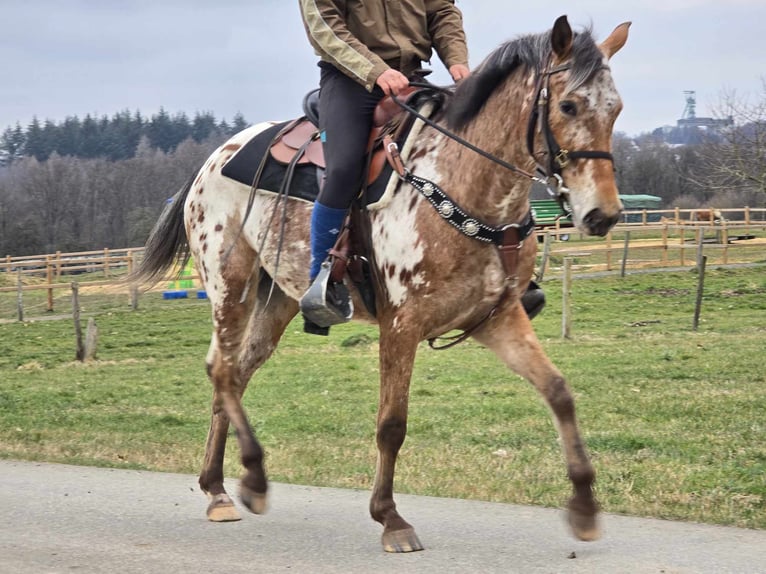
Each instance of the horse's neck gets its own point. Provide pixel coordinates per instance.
(483, 188)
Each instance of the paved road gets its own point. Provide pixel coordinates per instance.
(58, 518)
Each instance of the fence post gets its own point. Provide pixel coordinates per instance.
(133, 297)
(725, 241)
(700, 288)
(546, 254)
(625, 254)
(49, 280)
(700, 239)
(566, 300)
(80, 349)
(106, 262)
(19, 296)
(665, 243)
(58, 264)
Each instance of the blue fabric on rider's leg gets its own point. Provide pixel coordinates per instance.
(326, 224)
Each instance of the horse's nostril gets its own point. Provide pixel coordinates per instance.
(599, 223)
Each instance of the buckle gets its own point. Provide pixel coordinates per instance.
(562, 158)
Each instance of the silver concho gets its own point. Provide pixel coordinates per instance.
(446, 209)
(428, 189)
(470, 227)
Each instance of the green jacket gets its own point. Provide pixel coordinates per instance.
(363, 38)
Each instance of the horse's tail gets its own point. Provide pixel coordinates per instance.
(167, 242)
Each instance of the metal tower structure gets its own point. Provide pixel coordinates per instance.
(690, 111)
(690, 119)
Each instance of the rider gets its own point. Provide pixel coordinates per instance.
(366, 50)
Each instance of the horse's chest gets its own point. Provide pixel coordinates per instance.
(423, 261)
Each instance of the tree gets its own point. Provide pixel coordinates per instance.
(12, 145)
(735, 163)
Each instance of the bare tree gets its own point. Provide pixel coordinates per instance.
(734, 159)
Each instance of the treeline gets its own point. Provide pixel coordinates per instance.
(66, 203)
(78, 192)
(116, 138)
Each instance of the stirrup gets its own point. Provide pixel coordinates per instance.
(325, 303)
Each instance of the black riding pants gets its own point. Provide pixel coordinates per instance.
(345, 118)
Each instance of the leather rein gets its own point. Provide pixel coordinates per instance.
(508, 238)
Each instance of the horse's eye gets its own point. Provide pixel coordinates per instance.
(568, 108)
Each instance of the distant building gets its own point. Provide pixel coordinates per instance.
(691, 129)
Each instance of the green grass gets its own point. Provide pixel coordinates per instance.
(674, 419)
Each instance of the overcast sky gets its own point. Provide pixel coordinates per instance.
(62, 58)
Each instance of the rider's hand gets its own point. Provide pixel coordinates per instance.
(459, 72)
(392, 82)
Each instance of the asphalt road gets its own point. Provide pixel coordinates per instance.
(58, 518)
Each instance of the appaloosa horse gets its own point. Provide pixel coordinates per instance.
(543, 103)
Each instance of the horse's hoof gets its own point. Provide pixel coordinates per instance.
(584, 525)
(221, 509)
(255, 501)
(401, 541)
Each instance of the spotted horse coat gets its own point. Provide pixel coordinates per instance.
(433, 278)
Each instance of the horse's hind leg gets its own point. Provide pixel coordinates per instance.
(511, 337)
(221, 507)
(397, 355)
(255, 335)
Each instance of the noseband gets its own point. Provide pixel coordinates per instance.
(558, 158)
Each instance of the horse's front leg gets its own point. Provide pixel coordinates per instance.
(397, 355)
(512, 338)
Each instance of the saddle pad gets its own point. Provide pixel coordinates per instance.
(243, 165)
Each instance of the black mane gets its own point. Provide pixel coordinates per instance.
(529, 52)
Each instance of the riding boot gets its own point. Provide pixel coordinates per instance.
(533, 300)
(325, 303)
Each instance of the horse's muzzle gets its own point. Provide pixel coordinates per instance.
(599, 223)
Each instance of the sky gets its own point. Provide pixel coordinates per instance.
(61, 58)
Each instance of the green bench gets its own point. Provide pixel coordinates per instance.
(546, 212)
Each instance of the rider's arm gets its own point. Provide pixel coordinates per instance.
(329, 35)
(445, 26)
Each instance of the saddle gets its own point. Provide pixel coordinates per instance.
(301, 137)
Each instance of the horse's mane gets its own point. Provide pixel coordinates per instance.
(530, 52)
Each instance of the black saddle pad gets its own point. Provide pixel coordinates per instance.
(243, 165)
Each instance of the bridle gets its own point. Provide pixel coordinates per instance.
(558, 158)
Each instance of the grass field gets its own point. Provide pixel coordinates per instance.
(675, 420)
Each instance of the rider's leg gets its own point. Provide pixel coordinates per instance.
(346, 110)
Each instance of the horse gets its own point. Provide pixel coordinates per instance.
(434, 274)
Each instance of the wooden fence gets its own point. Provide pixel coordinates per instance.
(667, 244)
(679, 241)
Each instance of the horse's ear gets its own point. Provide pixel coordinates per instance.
(561, 38)
(616, 40)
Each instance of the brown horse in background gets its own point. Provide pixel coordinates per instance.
(529, 102)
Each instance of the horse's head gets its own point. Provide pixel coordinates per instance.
(557, 86)
(577, 105)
